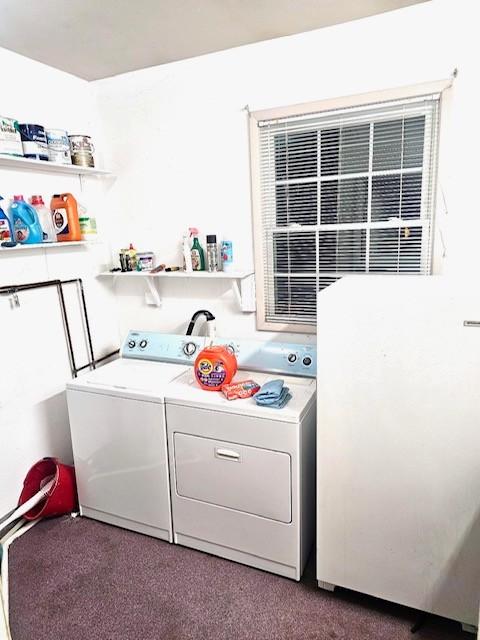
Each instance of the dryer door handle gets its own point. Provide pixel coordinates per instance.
(227, 454)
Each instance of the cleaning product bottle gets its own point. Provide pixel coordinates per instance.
(212, 253)
(6, 233)
(26, 225)
(198, 255)
(65, 217)
(187, 252)
(45, 217)
(88, 224)
(132, 254)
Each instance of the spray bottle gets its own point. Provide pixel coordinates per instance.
(187, 256)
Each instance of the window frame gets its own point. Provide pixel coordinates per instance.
(355, 101)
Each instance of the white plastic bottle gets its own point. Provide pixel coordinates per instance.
(45, 219)
(187, 255)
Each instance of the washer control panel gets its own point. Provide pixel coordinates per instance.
(162, 347)
(274, 357)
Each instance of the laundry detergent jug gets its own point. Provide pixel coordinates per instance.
(26, 225)
(65, 217)
(6, 233)
(214, 367)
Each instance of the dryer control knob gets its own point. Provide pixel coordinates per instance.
(189, 348)
(307, 361)
(292, 357)
(131, 344)
(143, 344)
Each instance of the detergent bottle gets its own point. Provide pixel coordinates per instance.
(65, 217)
(45, 218)
(26, 225)
(6, 233)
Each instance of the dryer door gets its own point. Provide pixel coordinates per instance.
(248, 479)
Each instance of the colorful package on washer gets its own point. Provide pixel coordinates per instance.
(242, 389)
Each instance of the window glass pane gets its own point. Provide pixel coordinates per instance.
(297, 296)
(354, 145)
(294, 252)
(330, 151)
(296, 203)
(411, 196)
(387, 145)
(344, 201)
(342, 250)
(324, 282)
(413, 142)
(296, 155)
(385, 197)
(396, 250)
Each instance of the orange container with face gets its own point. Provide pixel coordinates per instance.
(214, 367)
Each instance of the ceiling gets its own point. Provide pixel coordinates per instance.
(95, 39)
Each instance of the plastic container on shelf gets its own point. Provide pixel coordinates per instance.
(45, 217)
(26, 225)
(65, 217)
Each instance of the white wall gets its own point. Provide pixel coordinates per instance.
(177, 136)
(33, 356)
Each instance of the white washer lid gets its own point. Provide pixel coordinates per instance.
(129, 378)
(185, 391)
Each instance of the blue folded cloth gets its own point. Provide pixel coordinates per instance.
(273, 394)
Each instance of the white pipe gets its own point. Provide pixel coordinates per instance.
(29, 504)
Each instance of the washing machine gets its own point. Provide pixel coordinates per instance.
(117, 423)
(243, 476)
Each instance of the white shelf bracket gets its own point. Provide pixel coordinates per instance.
(244, 292)
(152, 297)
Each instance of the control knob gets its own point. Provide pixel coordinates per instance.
(307, 361)
(189, 348)
(292, 357)
(143, 344)
(131, 344)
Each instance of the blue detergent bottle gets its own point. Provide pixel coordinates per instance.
(6, 232)
(26, 225)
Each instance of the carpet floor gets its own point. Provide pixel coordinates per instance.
(77, 579)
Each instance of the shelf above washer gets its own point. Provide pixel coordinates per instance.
(243, 283)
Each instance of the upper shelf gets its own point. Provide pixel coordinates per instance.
(47, 246)
(25, 164)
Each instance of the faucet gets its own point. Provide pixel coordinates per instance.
(210, 318)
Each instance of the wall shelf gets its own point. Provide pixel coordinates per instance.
(243, 283)
(26, 164)
(46, 246)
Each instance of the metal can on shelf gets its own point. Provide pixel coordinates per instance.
(82, 150)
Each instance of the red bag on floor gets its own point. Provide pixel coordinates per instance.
(62, 497)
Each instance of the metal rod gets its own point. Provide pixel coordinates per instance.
(87, 323)
(66, 325)
(13, 289)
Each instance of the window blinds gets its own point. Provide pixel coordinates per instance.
(344, 192)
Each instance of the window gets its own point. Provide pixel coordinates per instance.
(340, 192)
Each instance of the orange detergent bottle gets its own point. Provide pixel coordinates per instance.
(65, 217)
(214, 367)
